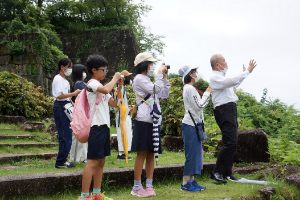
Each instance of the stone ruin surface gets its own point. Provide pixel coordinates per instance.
(12, 119)
(33, 126)
(266, 192)
(50, 183)
(118, 46)
(114, 143)
(295, 180)
(174, 143)
(53, 131)
(280, 171)
(252, 146)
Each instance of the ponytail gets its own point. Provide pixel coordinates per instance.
(63, 62)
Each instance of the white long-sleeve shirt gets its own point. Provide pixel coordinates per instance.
(223, 87)
(143, 86)
(194, 104)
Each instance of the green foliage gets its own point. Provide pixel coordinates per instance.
(46, 44)
(284, 151)
(20, 97)
(274, 117)
(173, 75)
(16, 47)
(16, 27)
(172, 109)
(82, 16)
(52, 37)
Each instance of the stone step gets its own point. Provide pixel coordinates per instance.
(29, 145)
(18, 157)
(50, 183)
(3, 137)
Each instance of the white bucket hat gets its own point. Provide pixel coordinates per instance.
(141, 57)
(183, 71)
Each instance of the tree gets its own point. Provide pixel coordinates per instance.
(83, 15)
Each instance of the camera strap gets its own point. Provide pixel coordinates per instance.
(144, 100)
(193, 121)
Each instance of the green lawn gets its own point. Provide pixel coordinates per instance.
(170, 190)
(31, 150)
(47, 166)
(29, 166)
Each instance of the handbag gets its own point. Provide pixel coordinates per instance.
(68, 109)
(199, 128)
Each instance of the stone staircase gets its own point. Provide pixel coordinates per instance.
(23, 140)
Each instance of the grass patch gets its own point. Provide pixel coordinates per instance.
(13, 126)
(47, 166)
(31, 150)
(24, 141)
(170, 189)
(113, 130)
(20, 132)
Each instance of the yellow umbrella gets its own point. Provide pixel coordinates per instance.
(124, 136)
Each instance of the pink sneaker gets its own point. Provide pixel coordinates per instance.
(140, 193)
(100, 196)
(150, 191)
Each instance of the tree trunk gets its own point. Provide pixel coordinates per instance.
(40, 3)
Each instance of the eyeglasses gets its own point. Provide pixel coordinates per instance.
(104, 70)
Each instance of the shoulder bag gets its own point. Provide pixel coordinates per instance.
(199, 129)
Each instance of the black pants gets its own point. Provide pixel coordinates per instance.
(226, 118)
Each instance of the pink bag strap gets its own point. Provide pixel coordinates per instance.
(98, 98)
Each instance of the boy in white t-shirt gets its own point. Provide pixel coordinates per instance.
(99, 138)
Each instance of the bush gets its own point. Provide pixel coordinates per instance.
(274, 117)
(20, 97)
(284, 151)
(172, 109)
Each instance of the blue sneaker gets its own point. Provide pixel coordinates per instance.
(196, 185)
(189, 187)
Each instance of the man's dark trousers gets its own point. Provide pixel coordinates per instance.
(226, 118)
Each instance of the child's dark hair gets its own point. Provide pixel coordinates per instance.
(188, 78)
(63, 62)
(127, 80)
(95, 61)
(142, 67)
(77, 71)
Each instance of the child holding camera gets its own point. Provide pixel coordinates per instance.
(99, 137)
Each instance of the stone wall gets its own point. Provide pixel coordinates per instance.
(28, 64)
(117, 46)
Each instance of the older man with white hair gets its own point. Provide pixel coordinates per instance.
(225, 111)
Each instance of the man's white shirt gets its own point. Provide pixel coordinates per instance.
(223, 87)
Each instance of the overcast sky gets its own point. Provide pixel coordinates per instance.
(265, 30)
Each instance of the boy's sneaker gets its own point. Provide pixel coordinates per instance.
(150, 191)
(189, 187)
(140, 193)
(100, 196)
(122, 157)
(86, 198)
(65, 165)
(196, 185)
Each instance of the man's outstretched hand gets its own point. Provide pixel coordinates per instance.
(251, 66)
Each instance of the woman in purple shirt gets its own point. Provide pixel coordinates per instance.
(143, 125)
